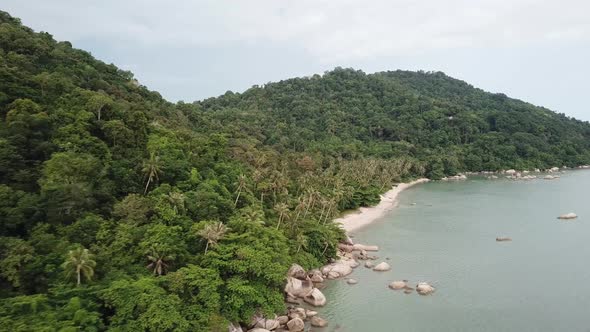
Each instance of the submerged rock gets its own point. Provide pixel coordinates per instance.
(423, 288)
(382, 267)
(369, 264)
(359, 247)
(297, 313)
(397, 285)
(318, 321)
(503, 239)
(352, 281)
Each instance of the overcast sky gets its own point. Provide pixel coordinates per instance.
(538, 51)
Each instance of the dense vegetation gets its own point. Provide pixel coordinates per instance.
(125, 212)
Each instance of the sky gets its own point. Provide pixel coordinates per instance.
(537, 51)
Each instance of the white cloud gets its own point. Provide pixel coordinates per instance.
(328, 30)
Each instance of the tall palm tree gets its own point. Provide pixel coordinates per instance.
(241, 184)
(213, 233)
(152, 169)
(283, 210)
(159, 262)
(176, 199)
(79, 262)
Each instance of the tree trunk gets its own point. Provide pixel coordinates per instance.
(78, 275)
(147, 185)
(206, 247)
(237, 198)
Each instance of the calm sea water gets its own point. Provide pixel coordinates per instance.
(538, 282)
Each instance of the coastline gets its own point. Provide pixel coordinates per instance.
(367, 215)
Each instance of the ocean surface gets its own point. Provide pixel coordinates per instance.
(538, 282)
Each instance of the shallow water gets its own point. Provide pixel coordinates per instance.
(537, 282)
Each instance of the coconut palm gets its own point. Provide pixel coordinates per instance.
(241, 184)
(159, 262)
(79, 262)
(283, 210)
(212, 233)
(176, 199)
(152, 169)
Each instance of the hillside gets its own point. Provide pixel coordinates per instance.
(122, 211)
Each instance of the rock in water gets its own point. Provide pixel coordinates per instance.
(316, 298)
(318, 321)
(424, 288)
(503, 239)
(297, 313)
(570, 215)
(359, 247)
(352, 281)
(397, 285)
(295, 325)
(382, 267)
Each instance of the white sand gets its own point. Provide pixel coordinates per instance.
(366, 215)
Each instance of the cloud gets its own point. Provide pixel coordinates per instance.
(328, 30)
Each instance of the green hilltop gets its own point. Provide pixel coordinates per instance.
(122, 211)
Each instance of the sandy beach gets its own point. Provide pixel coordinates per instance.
(366, 215)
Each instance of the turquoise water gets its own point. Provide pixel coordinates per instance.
(538, 282)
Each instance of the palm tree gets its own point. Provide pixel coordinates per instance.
(79, 262)
(151, 169)
(159, 261)
(241, 185)
(283, 210)
(301, 241)
(176, 199)
(213, 233)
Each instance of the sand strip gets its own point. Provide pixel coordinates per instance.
(366, 215)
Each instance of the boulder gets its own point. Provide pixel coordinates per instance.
(297, 287)
(549, 177)
(383, 266)
(424, 288)
(315, 276)
(297, 313)
(265, 323)
(359, 247)
(397, 285)
(337, 270)
(235, 327)
(316, 298)
(296, 271)
(503, 239)
(295, 325)
(369, 264)
(310, 313)
(352, 281)
(345, 247)
(348, 240)
(283, 320)
(258, 329)
(570, 215)
(510, 171)
(318, 321)
(292, 299)
(554, 169)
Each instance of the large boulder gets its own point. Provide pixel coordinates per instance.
(315, 298)
(296, 271)
(423, 288)
(266, 323)
(310, 313)
(345, 247)
(570, 215)
(318, 321)
(297, 287)
(359, 247)
(315, 276)
(295, 325)
(337, 270)
(383, 266)
(297, 313)
(399, 284)
(283, 320)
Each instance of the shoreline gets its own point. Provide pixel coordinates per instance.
(366, 215)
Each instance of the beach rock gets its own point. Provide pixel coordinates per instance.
(318, 322)
(369, 264)
(397, 285)
(298, 288)
(382, 267)
(316, 298)
(359, 247)
(337, 270)
(315, 276)
(510, 171)
(570, 215)
(424, 288)
(297, 313)
(352, 281)
(549, 177)
(310, 313)
(345, 247)
(296, 271)
(503, 239)
(265, 323)
(554, 169)
(295, 325)
(283, 320)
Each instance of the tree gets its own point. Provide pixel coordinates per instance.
(241, 184)
(212, 233)
(159, 262)
(283, 210)
(152, 169)
(79, 262)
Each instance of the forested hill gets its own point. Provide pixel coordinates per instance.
(447, 124)
(122, 211)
